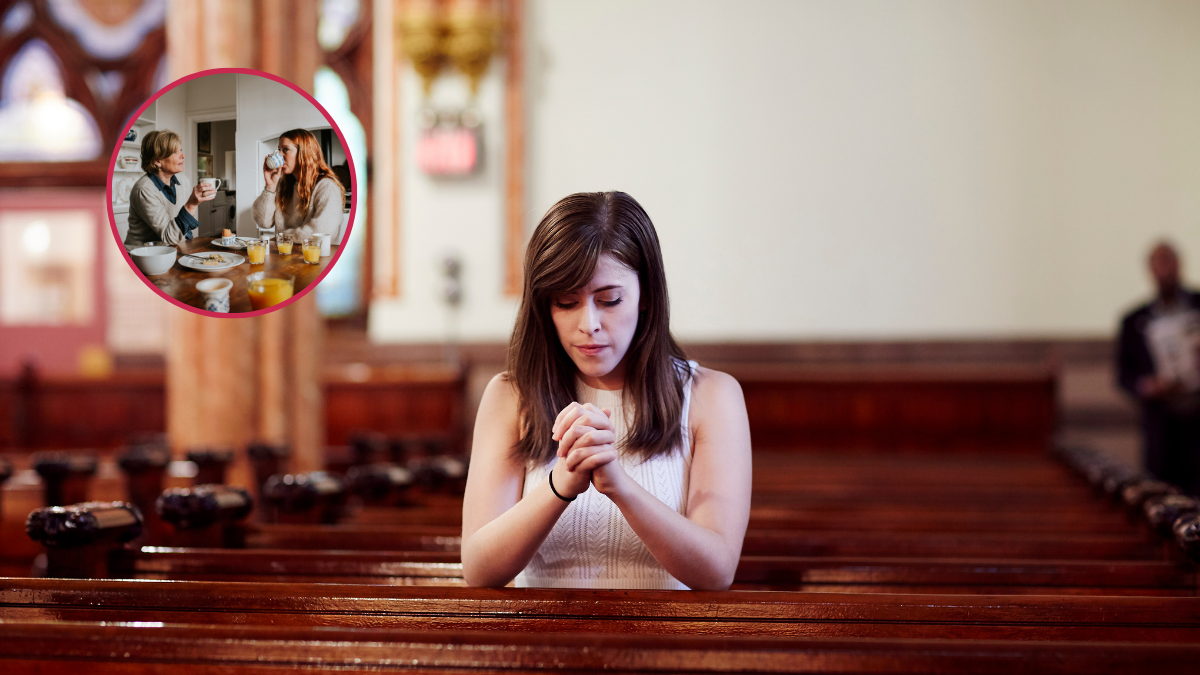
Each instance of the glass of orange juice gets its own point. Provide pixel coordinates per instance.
(256, 251)
(268, 289)
(312, 250)
(284, 244)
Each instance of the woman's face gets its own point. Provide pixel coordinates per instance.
(289, 151)
(172, 164)
(596, 323)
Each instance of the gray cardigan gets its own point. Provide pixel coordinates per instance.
(152, 215)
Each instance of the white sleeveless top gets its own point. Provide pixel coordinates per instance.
(592, 545)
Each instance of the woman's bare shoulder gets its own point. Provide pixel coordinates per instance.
(499, 396)
(710, 385)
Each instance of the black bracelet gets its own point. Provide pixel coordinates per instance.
(565, 499)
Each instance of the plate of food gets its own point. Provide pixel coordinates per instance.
(238, 242)
(209, 261)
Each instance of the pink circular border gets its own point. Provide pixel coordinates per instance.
(112, 218)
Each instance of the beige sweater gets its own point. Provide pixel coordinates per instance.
(324, 213)
(152, 215)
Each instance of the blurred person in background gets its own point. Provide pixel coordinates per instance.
(302, 197)
(1154, 367)
(156, 212)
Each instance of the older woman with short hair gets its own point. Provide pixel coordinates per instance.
(156, 213)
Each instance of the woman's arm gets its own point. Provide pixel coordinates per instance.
(327, 214)
(263, 210)
(702, 549)
(501, 530)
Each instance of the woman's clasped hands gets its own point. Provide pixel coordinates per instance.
(587, 451)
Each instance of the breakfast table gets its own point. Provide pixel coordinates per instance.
(179, 282)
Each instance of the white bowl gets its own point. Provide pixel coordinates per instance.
(153, 260)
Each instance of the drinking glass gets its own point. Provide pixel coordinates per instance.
(268, 289)
(284, 244)
(312, 251)
(256, 251)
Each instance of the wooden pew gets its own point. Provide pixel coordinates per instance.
(1064, 577)
(1095, 619)
(1055, 545)
(58, 647)
(832, 574)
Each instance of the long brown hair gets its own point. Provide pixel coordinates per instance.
(310, 168)
(562, 257)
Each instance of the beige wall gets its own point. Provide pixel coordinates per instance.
(842, 168)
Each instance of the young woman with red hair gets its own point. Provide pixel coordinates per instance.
(302, 197)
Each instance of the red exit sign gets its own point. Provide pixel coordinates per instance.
(448, 151)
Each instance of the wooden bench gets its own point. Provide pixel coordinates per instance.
(754, 572)
(888, 630)
(1132, 619)
(1054, 545)
(59, 647)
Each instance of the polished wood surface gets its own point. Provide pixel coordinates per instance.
(60, 647)
(914, 563)
(754, 572)
(729, 613)
(912, 409)
(995, 409)
(79, 412)
(179, 282)
(65, 412)
(1022, 545)
(396, 401)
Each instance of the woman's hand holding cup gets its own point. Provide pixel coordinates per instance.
(201, 193)
(273, 167)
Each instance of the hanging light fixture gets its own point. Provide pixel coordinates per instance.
(464, 32)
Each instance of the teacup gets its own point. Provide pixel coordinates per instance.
(275, 160)
(324, 239)
(216, 294)
(211, 183)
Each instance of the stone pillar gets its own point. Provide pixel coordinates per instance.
(234, 380)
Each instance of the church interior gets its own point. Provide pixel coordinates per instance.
(910, 230)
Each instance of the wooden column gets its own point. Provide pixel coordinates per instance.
(514, 127)
(234, 380)
(386, 181)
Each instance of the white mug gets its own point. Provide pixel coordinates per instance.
(214, 183)
(325, 239)
(274, 160)
(216, 294)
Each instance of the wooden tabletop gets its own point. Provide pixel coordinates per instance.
(179, 282)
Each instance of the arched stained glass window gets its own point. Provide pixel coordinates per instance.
(338, 17)
(108, 30)
(37, 121)
(73, 71)
(16, 19)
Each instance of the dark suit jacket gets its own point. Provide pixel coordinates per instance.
(1133, 354)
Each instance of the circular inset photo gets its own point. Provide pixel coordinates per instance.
(231, 192)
